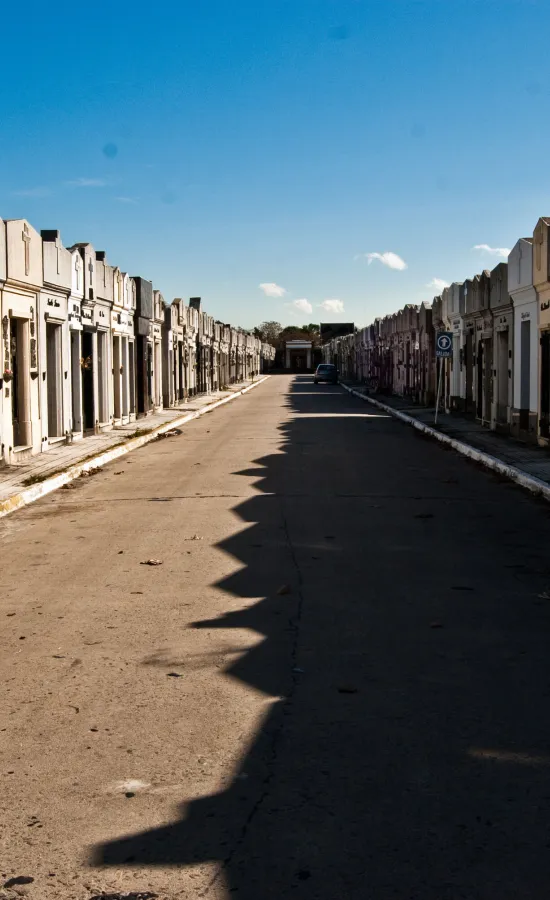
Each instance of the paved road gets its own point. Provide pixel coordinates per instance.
(335, 686)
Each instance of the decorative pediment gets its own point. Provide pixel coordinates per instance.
(24, 252)
(541, 252)
(129, 292)
(57, 260)
(87, 253)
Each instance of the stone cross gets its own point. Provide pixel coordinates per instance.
(25, 236)
(58, 248)
(538, 236)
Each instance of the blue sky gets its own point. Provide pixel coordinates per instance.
(215, 146)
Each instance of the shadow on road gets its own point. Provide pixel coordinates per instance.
(406, 752)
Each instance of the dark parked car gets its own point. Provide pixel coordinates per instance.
(326, 372)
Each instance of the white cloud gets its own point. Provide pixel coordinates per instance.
(271, 289)
(33, 192)
(303, 305)
(389, 259)
(333, 306)
(493, 251)
(125, 199)
(87, 182)
(438, 284)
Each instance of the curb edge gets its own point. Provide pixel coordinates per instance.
(535, 485)
(36, 491)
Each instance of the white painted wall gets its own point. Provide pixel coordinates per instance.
(20, 297)
(524, 296)
(53, 307)
(75, 325)
(2, 250)
(2, 279)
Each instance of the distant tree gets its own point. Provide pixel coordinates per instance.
(270, 332)
(305, 332)
(273, 333)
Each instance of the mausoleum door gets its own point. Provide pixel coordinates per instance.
(545, 384)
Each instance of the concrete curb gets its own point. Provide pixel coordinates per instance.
(535, 485)
(36, 491)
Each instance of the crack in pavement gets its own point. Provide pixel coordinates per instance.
(297, 495)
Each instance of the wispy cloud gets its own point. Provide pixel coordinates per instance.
(332, 306)
(303, 305)
(438, 284)
(33, 192)
(271, 289)
(389, 259)
(126, 199)
(87, 182)
(493, 251)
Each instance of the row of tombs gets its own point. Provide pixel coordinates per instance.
(86, 347)
(498, 323)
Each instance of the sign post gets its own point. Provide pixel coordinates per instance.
(443, 350)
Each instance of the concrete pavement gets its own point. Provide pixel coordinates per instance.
(40, 475)
(335, 685)
(532, 461)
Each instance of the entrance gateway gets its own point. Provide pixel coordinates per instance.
(55, 380)
(20, 397)
(545, 384)
(298, 355)
(87, 370)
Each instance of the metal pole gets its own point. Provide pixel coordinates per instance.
(438, 390)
